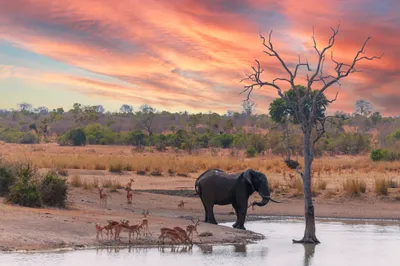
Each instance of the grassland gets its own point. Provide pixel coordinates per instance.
(347, 175)
(343, 186)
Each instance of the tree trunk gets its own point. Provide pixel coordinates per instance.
(309, 233)
(287, 140)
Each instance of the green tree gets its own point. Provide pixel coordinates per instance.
(148, 114)
(137, 138)
(228, 126)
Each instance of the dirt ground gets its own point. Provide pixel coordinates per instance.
(37, 229)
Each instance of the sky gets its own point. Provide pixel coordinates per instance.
(179, 55)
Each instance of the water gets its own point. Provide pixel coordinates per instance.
(343, 243)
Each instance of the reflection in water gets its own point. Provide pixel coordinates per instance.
(206, 249)
(343, 244)
(309, 250)
(240, 248)
(176, 249)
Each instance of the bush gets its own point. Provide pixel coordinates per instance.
(62, 171)
(224, 141)
(74, 137)
(10, 135)
(354, 187)
(137, 138)
(381, 186)
(352, 143)
(7, 179)
(384, 155)
(378, 154)
(28, 138)
(24, 192)
(251, 152)
(161, 146)
(116, 168)
(322, 185)
(97, 134)
(53, 190)
(76, 181)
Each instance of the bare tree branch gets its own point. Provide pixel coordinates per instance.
(321, 54)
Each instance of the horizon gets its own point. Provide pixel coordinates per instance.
(186, 55)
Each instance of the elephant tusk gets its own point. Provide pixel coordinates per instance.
(269, 197)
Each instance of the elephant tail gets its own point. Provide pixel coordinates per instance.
(197, 185)
(197, 188)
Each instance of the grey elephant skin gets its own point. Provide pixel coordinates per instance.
(215, 186)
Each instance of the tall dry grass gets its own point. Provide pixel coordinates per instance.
(354, 187)
(119, 158)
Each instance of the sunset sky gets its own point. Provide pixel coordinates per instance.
(189, 55)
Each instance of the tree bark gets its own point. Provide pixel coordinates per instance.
(287, 139)
(309, 232)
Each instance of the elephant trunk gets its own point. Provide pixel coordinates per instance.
(265, 195)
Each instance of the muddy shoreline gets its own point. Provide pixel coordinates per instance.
(28, 229)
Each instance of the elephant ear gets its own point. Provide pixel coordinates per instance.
(248, 176)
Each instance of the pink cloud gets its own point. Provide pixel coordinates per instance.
(192, 54)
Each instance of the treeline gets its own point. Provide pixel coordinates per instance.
(345, 133)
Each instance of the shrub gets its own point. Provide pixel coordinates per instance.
(98, 134)
(384, 155)
(128, 167)
(76, 181)
(7, 179)
(354, 187)
(25, 192)
(62, 171)
(378, 154)
(381, 186)
(10, 135)
(53, 190)
(352, 143)
(322, 185)
(161, 146)
(393, 184)
(156, 172)
(28, 138)
(74, 137)
(251, 151)
(137, 138)
(98, 166)
(116, 168)
(107, 183)
(224, 141)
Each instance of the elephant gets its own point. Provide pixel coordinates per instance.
(215, 186)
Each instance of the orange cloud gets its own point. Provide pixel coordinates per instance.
(192, 54)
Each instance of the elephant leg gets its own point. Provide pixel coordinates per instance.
(210, 214)
(205, 211)
(242, 212)
(237, 215)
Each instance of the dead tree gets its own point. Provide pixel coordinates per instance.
(305, 106)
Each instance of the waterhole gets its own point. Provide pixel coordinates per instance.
(342, 243)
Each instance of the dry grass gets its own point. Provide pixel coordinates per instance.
(62, 171)
(90, 185)
(116, 168)
(354, 187)
(121, 158)
(381, 186)
(297, 185)
(329, 172)
(321, 184)
(76, 181)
